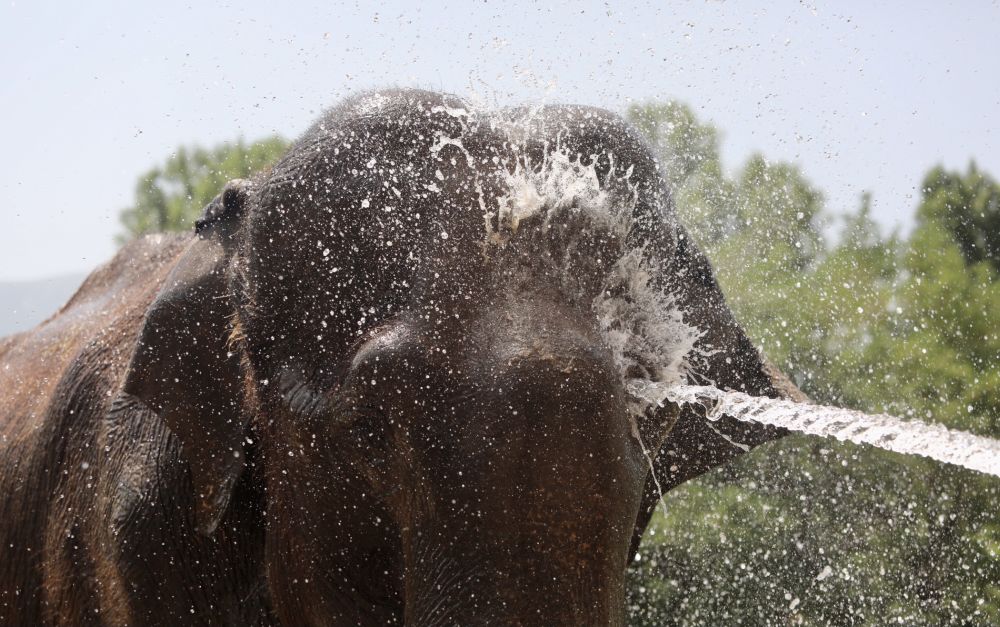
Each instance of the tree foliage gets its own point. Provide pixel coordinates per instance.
(170, 197)
(968, 207)
(821, 533)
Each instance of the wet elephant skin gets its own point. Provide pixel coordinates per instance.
(338, 401)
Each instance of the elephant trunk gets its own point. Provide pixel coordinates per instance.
(511, 572)
(529, 521)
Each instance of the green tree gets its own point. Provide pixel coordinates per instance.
(805, 531)
(768, 210)
(968, 206)
(170, 197)
(688, 152)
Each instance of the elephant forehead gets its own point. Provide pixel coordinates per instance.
(415, 206)
(407, 177)
(381, 189)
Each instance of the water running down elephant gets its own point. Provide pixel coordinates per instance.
(414, 374)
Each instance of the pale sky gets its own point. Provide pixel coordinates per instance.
(862, 97)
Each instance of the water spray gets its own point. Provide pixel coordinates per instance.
(910, 437)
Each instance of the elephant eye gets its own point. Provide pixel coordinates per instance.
(302, 395)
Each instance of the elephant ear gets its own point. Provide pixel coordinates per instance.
(695, 445)
(182, 368)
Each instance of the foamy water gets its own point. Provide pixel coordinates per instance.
(910, 437)
(639, 321)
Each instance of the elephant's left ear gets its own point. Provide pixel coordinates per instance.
(183, 368)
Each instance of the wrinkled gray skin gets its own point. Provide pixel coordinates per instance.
(321, 410)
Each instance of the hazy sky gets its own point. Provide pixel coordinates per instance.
(94, 93)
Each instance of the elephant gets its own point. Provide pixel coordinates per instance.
(414, 373)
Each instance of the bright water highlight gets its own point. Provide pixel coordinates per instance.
(911, 437)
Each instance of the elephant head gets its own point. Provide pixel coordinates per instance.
(446, 338)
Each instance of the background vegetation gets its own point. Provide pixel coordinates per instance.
(170, 197)
(800, 531)
(813, 532)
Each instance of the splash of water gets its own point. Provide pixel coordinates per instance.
(910, 437)
(639, 321)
